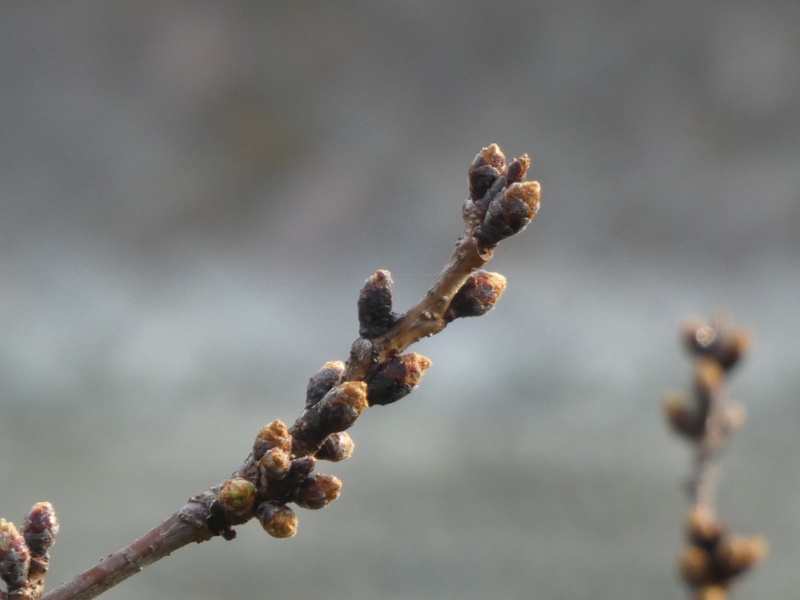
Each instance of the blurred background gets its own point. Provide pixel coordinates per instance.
(192, 194)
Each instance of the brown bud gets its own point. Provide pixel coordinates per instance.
(274, 464)
(477, 296)
(737, 554)
(322, 381)
(733, 347)
(517, 170)
(40, 528)
(237, 496)
(396, 378)
(338, 410)
(509, 212)
(278, 520)
(711, 592)
(703, 528)
(336, 447)
(708, 377)
(300, 468)
(485, 169)
(695, 566)
(14, 557)
(318, 491)
(274, 435)
(683, 420)
(375, 316)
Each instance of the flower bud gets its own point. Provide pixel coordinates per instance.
(322, 382)
(485, 169)
(274, 435)
(278, 520)
(695, 566)
(300, 468)
(336, 447)
(337, 411)
(14, 557)
(737, 554)
(703, 528)
(509, 212)
(516, 171)
(708, 378)
(683, 420)
(274, 464)
(237, 496)
(40, 528)
(375, 316)
(395, 378)
(318, 491)
(477, 296)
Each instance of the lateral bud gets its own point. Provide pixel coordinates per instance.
(737, 554)
(237, 496)
(277, 519)
(509, 212)
(336, 447)
(517, 169)
(14, 557)
(477, 296)
(375, 316)
(323, 381)
(318, 491)
(396, 378)
(274, 464)
(274, 435)
(39, 529)
(484, 170)
(681, 418)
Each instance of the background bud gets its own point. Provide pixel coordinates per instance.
(278, 520)
(323, 381)
(395, 378)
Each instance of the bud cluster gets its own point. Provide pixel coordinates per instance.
(501, 203)
(713, 557)
(25, 553)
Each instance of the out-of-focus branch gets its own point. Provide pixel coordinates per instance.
(280, 468)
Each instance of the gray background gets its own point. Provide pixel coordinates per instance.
(193, 193)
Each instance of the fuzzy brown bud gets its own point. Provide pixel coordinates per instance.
(708, 377)
(14, 557)
(703, 528)
(40, 528)
(375, 316)
(711, 592)
(683, 420)
(396, 378)
(477, 296)
(336, 447)
(323, 381)
(695, 566)
(274, 435)
(337, 411)
(509, 212)
(318, 491)
(517, 169)
(300, 468)
(278, 520)
(485, 169)
(237, 496)
(737, 554)
(274, 464)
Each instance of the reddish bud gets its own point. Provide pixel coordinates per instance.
(237, 496)
(40, 528)
(322, 382)
(336, 447)
(516, 171)
(278, 520)
(318, 491)
(375, 316)
(477, 296)
(396, 378)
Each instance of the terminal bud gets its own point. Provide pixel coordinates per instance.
(375, 316)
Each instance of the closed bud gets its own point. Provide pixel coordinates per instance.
(14, 557)
(703, 528)
(274, 435)
(737, 554)
(300, 468)
(337, 411)
(375, 316)
(708, 377)
(237, 496)
(516, 171)
(509, 212)
(396, 378)
(318, 491)
(695, 566)
(683, 420)
(477, 296)
(735, 345)
(274, 464)
(485, 169)
(323, 381)
(40, 528)
(336, 447)
(278, 520)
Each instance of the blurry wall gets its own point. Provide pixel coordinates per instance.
(191, 194)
